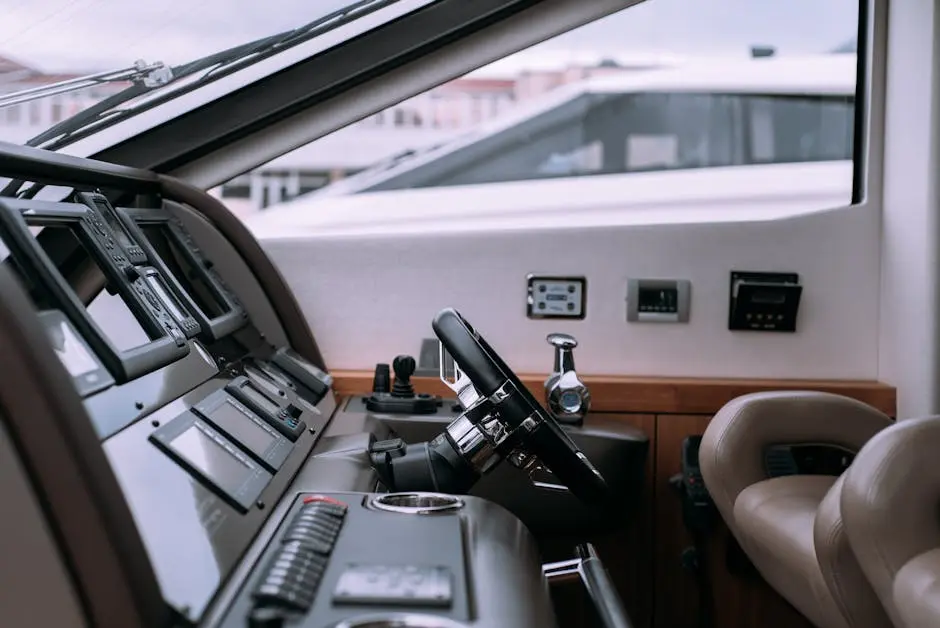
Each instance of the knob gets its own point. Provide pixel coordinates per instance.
(567, 397)
(404, 367)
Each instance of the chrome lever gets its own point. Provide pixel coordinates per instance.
(567, 397)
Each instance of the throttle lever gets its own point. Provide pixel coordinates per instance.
(567, 397)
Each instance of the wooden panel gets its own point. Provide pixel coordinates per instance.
(614, 393)
(627, 554)
(741, 602)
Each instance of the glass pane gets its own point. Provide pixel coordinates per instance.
(43, 42)
(786, 129)
(666, 85)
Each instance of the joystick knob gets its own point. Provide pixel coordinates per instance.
(404, 367)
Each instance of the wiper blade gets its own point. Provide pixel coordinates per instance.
(218, 64)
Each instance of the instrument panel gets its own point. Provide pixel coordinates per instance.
(205, 424)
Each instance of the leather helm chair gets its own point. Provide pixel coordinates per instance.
(891, 509)
(788, 524)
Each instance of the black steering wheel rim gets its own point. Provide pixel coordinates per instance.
(546, 440)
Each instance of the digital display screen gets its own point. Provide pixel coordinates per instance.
(168, 300)
(109, 311)
(71, 351)
(180, 264)
(658, 299)
(241, 428)
(768, 297)
(258, 398)
(212, 459)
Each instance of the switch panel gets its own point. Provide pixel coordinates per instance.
(557, 297)
(658, 300)
(764, 301)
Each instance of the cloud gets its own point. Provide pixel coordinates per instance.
(78, 35)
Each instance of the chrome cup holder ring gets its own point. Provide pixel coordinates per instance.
(399, 620)
(416, 503)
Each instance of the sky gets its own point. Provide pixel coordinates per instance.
(93, 35)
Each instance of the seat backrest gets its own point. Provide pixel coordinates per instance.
(891, 512)
(56, 477)
(732, 451)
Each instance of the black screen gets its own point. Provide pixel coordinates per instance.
(260, 399)
(180, 265)
(201, 451)
(109, 311)
(242, 429)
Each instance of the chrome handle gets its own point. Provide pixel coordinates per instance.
(567, 397)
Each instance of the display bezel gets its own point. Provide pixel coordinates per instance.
(16, 216)
(98, 202)
(240, 493)
(273, 456)
(281, 420)
(234, 317)
(189, 325)
(89, 382)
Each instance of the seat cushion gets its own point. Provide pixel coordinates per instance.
(917, 591)
(774, 522)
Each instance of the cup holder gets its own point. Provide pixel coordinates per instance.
(417, 503)
(396, 620)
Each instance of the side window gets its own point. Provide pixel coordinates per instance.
(645, 91)
(594, 134)
(792, 129)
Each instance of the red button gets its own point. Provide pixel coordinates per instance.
(322, 498)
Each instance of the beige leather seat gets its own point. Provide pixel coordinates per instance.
(891, 509)
(791, 527)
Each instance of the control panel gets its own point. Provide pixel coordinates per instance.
(255, 433)
(214, 459)
(338, 556)
(658, 300)
(117, 230)
(282, 416)
(557, 297)
(764, 301)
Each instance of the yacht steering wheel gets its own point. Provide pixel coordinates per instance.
(531, 436)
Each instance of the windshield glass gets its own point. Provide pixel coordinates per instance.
(134, 50)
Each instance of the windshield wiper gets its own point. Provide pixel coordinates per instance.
(105, 112)
(151, 74)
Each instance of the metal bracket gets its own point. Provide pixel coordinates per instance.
(461, 385)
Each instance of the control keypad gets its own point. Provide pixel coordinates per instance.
(293, 576)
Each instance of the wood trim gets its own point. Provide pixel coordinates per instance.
(661, 395)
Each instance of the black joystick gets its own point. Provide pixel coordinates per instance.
(404, 367)
(402, 398)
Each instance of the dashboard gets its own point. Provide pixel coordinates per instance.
(254, 510)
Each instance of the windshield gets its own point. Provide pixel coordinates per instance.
(67, 64)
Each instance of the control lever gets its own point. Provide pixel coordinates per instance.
(597, 582)
(402, 398)
(567, 397)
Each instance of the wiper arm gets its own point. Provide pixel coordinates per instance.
(226, 61)
(152, 75)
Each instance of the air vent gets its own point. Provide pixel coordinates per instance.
(779, 462)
